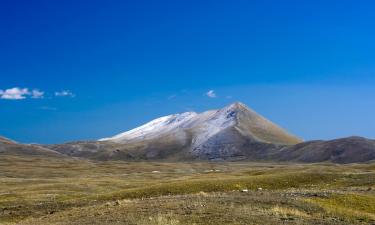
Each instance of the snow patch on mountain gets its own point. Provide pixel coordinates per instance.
(206, 124)
(155, 128)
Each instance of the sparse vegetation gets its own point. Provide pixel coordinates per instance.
(38, 190)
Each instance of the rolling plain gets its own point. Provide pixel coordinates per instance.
(50, 190)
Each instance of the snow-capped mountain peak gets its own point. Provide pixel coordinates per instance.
(211, 121)
(207, 133)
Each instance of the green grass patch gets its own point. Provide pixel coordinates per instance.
(352, 207)
(265, 182)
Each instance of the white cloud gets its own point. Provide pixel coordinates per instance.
(14, 93)
(211, 94)
(17, 93)
(37, 93)
(64, 93)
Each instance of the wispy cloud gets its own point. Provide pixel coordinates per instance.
(14, 93)
(37, 93)
(211, 94)
(65, 93)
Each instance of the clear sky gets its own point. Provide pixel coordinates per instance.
(72, 70)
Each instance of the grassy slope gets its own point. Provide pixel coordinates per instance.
(264, 130)
(62, 191)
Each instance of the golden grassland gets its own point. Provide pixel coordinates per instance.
(64, 191)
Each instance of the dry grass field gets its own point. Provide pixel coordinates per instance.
(47, 190)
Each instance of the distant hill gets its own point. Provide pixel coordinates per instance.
(344, 150)
(6, 140)
(9, 147)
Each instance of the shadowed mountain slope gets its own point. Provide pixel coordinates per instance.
(344, 150)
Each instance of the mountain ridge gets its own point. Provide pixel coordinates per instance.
(235, 132)
(9, 147)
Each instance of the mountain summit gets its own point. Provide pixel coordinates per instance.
(212, 134)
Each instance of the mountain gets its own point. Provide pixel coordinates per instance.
(216, 134)
(207, 124)
(235, 132)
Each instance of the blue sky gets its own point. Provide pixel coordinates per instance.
(72, 70)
